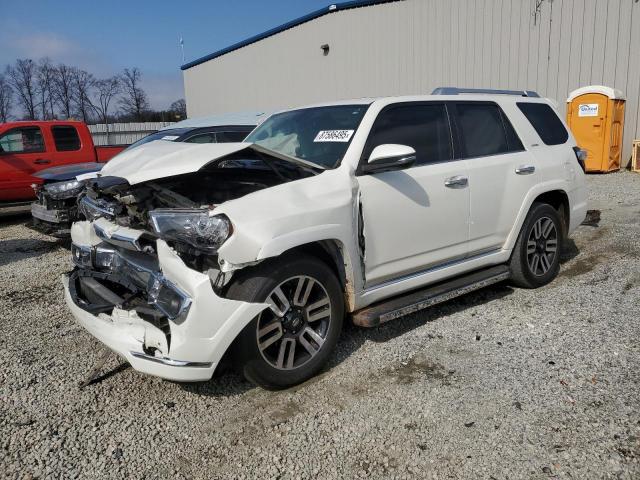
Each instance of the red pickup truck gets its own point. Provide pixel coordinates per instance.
(30, 146)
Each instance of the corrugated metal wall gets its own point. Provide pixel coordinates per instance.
(123, 133)
(412, 46)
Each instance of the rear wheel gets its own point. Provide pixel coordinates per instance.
(291, 340)
(535, 260)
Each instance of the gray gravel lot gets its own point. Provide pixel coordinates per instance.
(503, 383)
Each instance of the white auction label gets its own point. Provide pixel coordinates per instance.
(333, 136)
(170, 138)
(588, 110)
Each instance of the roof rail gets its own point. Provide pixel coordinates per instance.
(458, 91)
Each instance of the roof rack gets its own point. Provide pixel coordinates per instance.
(458, 91)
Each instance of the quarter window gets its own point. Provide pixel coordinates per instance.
(484, 130)
(545, 121)
(66, 138)
(226, 137)
(208, 137)
(423, 127)
(22, 140)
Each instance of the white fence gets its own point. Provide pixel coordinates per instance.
(123, 133)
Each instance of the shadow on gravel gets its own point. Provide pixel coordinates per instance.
(569, 251)
(228, 382)
(389, 331)
(19, 249)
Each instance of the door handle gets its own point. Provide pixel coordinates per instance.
(458, 181)
(41, 161)
(525, 169)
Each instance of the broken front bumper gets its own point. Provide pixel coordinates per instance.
(127, 319)
(53, 218)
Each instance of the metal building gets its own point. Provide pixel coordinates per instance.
(396, 47)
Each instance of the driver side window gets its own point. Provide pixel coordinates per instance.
(423, 127)
(22, 140)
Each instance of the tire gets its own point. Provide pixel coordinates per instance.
(526, 271)
(263, 350)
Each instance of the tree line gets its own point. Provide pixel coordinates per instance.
(40, 90)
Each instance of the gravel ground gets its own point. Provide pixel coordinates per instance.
(503, 383)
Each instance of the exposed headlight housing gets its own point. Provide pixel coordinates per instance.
(195, 227)
(66, 189)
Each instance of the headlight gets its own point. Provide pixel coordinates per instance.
(67, 189)
(194, 227)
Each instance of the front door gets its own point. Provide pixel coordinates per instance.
(417, 218)
(22, 153)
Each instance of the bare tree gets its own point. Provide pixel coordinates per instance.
(63, 89)
(179, 108)
(106, 90)
(45, 74)
(134, 101)
(6, 99)
(83, 83)
(22, 78)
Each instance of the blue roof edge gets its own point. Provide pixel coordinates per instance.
(334, 7)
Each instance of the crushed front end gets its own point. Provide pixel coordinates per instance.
(55, 208)
(144, 288)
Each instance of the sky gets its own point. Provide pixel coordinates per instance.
(105, 37)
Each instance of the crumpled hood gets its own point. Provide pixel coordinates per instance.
(161, 159)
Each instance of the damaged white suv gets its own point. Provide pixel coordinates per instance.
(371, 208)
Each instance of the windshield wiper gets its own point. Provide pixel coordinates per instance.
(303, 164)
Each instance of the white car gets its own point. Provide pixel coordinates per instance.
(372, 208)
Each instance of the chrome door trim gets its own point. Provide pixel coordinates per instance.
(435, 268)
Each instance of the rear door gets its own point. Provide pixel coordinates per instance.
(22, 153)
(501, 172)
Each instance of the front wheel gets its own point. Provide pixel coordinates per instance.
(535, 260)
(291, 340)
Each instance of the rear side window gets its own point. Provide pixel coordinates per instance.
(22, 140)
(484, 130)
(423, 127)
(546, 122)
(66, 138)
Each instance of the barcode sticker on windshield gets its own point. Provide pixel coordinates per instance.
(171, 138)
(333, 136)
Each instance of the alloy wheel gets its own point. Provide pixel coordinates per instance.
(542, 246)
(294, 328)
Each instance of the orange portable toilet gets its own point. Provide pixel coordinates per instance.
(595, 115)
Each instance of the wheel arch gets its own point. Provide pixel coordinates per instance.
(559, 200)
(333, 253)
(553, 194)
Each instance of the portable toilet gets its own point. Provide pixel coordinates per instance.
(595, 115)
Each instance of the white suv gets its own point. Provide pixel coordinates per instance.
(369, 207)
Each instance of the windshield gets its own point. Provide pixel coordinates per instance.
(171, 134)
(319, 135)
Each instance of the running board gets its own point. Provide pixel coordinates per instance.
(419, 299)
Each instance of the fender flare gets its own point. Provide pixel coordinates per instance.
(532, 194)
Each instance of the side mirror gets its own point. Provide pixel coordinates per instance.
(389, 157)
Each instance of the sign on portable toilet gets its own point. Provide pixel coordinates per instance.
(595, 115)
